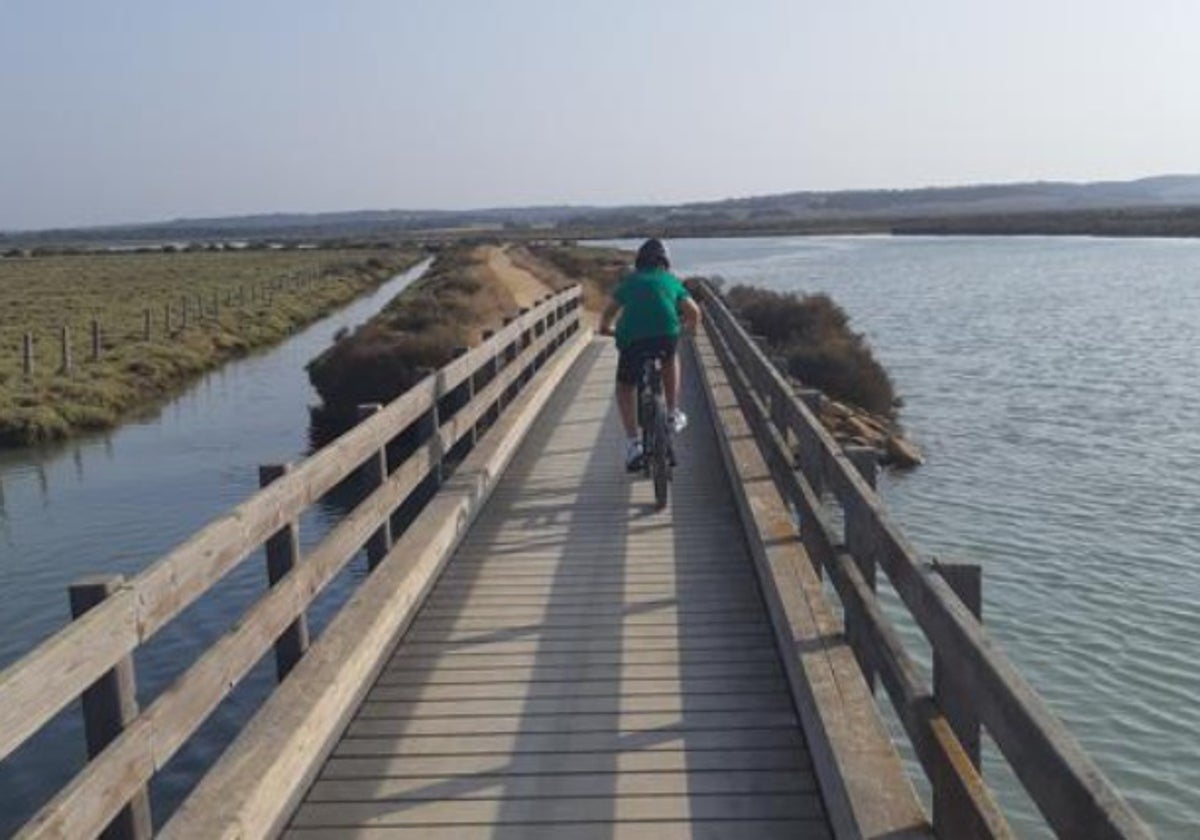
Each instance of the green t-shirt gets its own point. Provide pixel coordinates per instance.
(649, 305)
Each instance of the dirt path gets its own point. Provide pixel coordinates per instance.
(525, 288)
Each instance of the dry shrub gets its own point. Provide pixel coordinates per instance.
(418, 331)
(377, 364)
(813, 333)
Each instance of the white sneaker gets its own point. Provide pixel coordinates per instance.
(633, 455)
(678, 421)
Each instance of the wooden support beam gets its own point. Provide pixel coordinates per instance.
(374, 473)
(110, 705)
(283, 552)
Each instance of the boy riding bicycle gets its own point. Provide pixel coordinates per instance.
(653, 306)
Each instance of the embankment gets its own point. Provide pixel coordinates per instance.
(469, 289)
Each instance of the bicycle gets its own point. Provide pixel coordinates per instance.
(658, 453)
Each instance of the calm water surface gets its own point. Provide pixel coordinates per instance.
(1054, 385)
(116, 502)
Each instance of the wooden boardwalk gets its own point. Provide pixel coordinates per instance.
(540, 654)
(585, 666)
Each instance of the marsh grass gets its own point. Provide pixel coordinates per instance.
(250, 300)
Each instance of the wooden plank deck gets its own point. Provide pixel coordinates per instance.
(586, 666)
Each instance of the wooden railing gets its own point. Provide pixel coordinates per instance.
(974, 683)
(92, 655)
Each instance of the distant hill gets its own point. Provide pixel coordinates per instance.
(1147, 200)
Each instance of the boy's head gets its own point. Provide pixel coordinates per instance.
(652, 254)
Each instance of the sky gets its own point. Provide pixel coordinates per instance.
(144, 110)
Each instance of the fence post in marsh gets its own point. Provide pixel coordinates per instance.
(283, 552)
(110, 705)
(216, 308)
(145, 325)
(374, 473)
(183, 312)
(65, 337)
(951, 817)
(95, 340)
(27, 354)
(167, 319)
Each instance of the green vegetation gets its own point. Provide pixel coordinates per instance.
(221, 305)
(813, 334)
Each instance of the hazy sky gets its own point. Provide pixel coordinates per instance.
(136, 111)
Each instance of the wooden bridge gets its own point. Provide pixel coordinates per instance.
(538, 653)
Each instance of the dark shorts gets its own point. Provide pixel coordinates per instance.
(629, 362)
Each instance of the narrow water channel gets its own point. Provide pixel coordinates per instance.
(113, 503)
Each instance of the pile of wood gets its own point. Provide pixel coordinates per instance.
(854, 426)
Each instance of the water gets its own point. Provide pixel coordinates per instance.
(116, 502)
(1053, 386)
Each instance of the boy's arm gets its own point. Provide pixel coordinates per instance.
(689, 311)
(609, 316)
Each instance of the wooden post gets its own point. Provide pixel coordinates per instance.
(866, 461)
(526, 340)
(863, 459)
(493, 370)
(216, 308)
(183, 312)
(166, 318)
(374, 473)
(95, 340)
(503, 360)
(469, 387)
(27, 354)
(108, 707)
(952, 818)
(812, 399)
(283, 552)
(145, 325)
(439, 453)
(67, 366)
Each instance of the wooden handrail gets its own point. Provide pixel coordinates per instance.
(36, 687)
(1073, 795)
